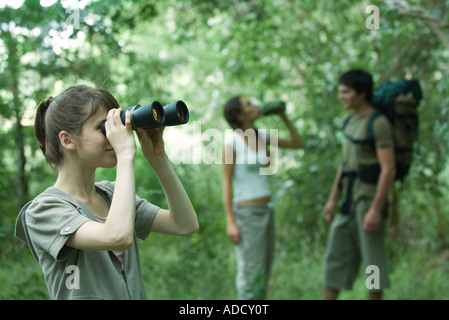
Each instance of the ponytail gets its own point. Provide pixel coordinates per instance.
(39, 122)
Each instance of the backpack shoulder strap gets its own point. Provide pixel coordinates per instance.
(370, 126)
(353, 140)
(346, 121)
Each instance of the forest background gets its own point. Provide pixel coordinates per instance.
(204, 52)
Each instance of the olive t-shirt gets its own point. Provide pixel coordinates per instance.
(46, 223)
(356, 155)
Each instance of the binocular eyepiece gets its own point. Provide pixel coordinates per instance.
(154, 115)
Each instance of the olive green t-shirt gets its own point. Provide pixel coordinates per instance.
(356, 155)
(46, 223)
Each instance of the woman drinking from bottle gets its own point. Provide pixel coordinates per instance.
(247, 195)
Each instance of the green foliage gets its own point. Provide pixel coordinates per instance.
(204, 52)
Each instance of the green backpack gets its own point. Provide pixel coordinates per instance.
(398, 101)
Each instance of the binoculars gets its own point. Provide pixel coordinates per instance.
(272, 107)
(154, 115)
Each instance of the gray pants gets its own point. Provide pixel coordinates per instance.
(255, 250)
(349, 246)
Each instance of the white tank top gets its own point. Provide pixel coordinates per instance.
(248, 182)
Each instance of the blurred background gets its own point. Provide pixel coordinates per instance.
(204, 52)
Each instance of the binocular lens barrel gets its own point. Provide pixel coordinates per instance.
(153, 115)
(148, 116)
(176, 113)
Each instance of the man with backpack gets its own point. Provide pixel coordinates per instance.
(357, 232)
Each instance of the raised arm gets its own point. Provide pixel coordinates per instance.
(117, 233)
(180, 218)
(294, 141)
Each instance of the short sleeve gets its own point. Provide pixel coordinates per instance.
(145, 211)
(145, 215)
(50, 222)
(383, 132)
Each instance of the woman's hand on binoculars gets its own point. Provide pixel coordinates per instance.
(120, 136)
(151, 142)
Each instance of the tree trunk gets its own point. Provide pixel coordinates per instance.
(14, 66)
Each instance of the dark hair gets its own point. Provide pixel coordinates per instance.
(359, 80)
(67, 112)
(232, 109)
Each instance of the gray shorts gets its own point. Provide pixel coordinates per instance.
(255, 250)
(349, 246)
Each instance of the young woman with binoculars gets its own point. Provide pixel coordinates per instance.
(92, 227)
